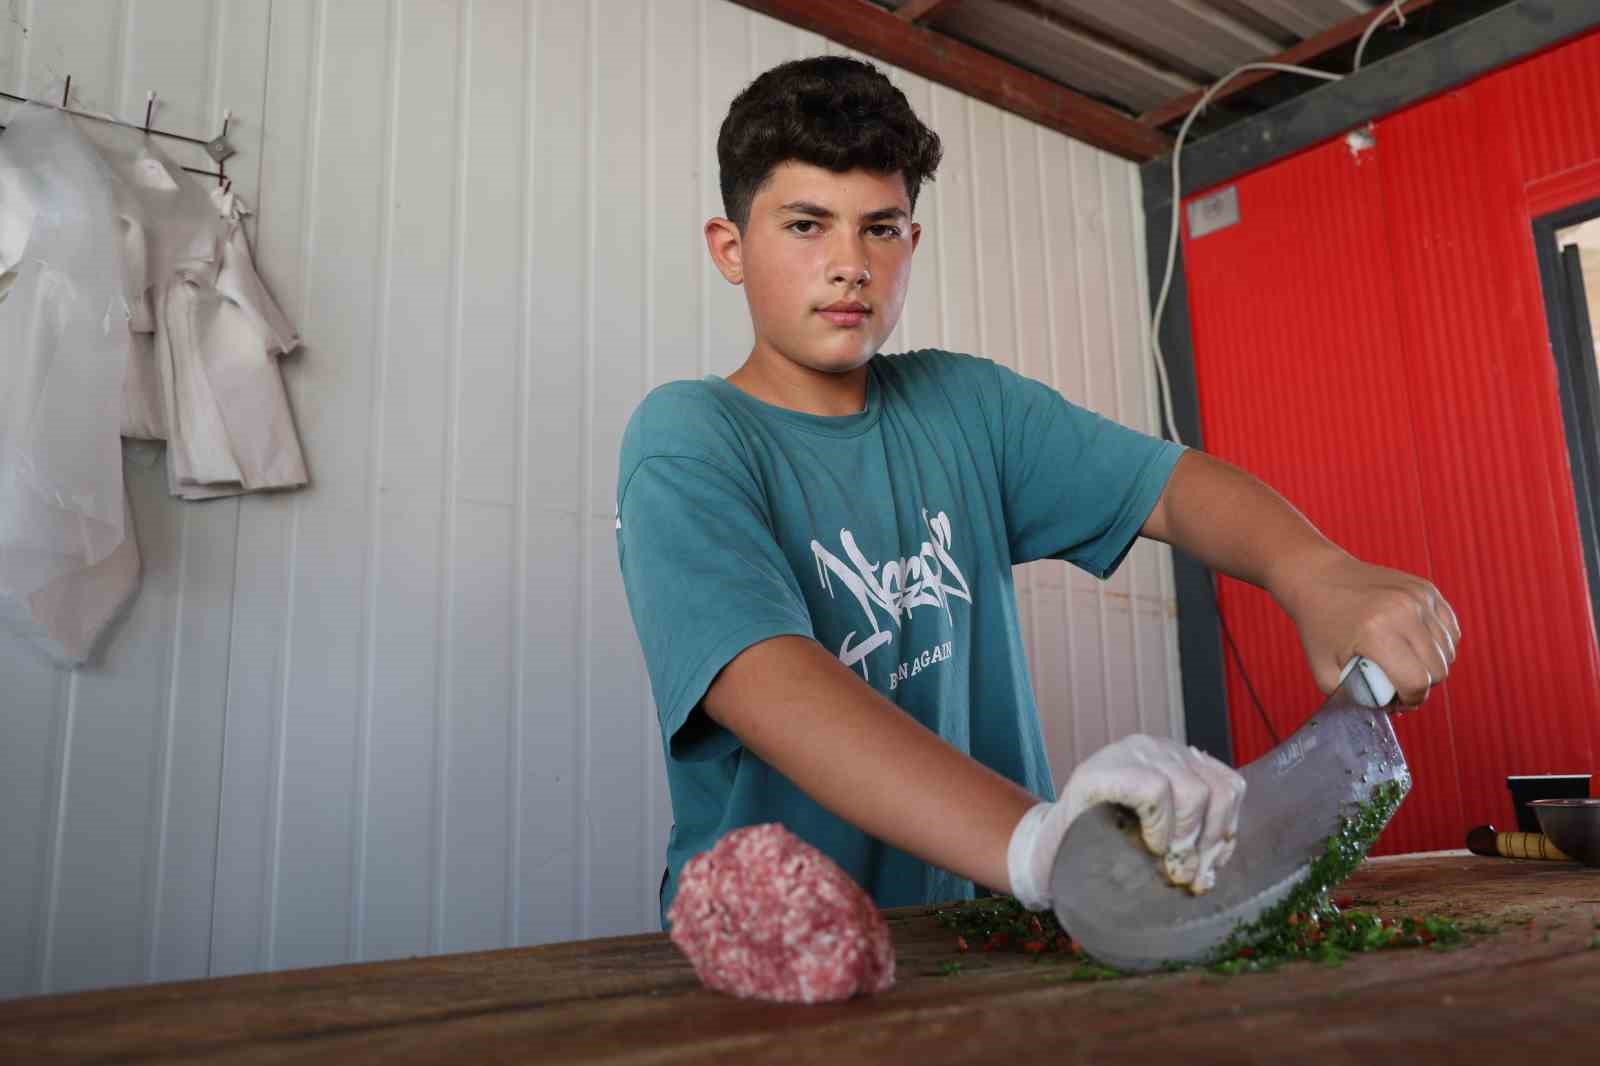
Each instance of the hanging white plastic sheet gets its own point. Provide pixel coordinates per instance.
(129, 306)
(63, 354)
(165, 219)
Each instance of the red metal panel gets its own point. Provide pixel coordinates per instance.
(1486, 412)
(1301, 382)
(1370, 339)
(1570, 187)
(1550, 105)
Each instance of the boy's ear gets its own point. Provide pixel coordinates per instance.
(723, 242)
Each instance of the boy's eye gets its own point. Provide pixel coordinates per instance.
(795, 226)
(884, 230)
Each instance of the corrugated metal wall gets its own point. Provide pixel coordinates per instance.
(405, 712)
(1370, 339)
(111, 777)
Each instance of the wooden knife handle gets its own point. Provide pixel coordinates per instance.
(1485, 841)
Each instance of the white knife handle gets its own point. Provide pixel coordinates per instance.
(1378, 681)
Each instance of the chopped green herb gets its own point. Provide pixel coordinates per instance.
(1086, 971)
(1090, 971)
(1307, 925)
(949, 968)
(1002, 923)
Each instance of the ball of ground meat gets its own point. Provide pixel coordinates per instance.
(764, 915)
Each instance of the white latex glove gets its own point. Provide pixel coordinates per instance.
(1187, 803)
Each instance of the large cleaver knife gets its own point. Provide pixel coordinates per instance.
(1110, 890)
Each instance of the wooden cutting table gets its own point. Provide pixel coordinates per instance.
(1532, 987)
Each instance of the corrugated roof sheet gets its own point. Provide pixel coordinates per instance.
(1139, 55)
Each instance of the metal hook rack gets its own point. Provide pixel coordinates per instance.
(217, 147)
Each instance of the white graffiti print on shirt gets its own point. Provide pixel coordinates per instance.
(928, 579)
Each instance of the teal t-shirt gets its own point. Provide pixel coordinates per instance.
(888, 536)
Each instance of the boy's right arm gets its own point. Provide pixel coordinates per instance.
(808, 716)
(813, 720)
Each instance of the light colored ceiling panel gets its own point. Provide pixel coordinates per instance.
(1154, 58)
(1303, 18)
(1058, 51)
(1209, 19)
(1585, 235)
(1244, 14)
(1185, 34)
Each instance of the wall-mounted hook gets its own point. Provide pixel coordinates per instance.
(218, 147)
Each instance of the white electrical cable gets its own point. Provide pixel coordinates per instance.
(1400, 20)
(1171, 421)
(1172, 238)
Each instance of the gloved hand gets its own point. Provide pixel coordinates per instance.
(1187, 803)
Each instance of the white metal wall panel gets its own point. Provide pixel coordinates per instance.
(111, 774)
(404, 711)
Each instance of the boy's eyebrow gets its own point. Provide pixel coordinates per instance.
(805, 207)
(884, 214)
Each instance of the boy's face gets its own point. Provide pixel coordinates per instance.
(825, 260)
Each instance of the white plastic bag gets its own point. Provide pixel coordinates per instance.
(63, 355)
(166, 219)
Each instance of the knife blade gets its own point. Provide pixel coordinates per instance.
(1114, 898)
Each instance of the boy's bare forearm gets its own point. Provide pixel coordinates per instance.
(1341, 605)
(1232, 522)
(861, 757)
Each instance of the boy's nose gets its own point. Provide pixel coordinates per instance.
(849, 263)
(856, 275)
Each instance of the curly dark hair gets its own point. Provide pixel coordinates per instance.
(830, 111)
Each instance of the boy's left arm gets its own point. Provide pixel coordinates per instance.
(1232, 522)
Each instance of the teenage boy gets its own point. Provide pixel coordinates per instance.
(817, 550)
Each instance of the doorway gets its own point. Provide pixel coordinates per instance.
(1568, 246)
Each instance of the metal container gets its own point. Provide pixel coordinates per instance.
(1525, 788)
(1573, 825)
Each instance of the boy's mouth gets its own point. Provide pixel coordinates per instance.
(845, 313)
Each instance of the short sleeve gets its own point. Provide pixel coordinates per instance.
(705, 579)
(239, 282)
(1076, 486)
